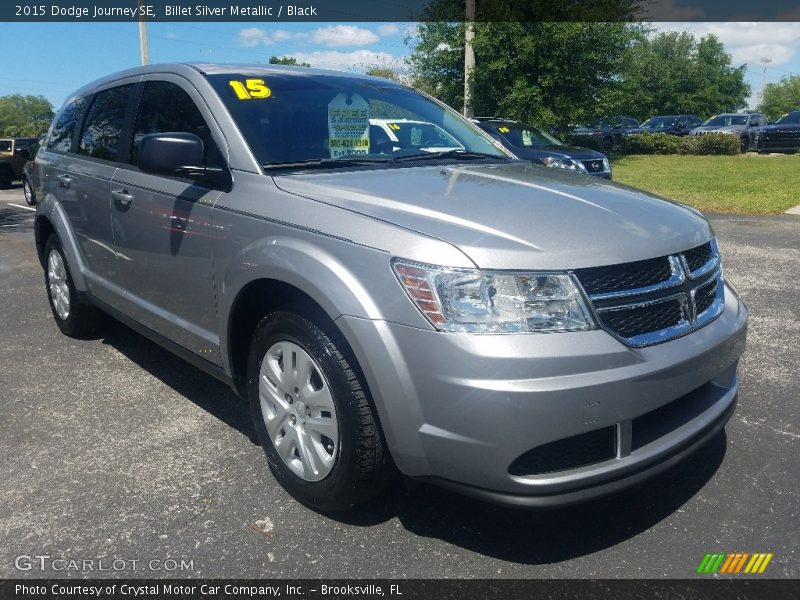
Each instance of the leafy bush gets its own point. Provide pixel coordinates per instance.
(716, 143)
(664, 143)
(652, 143)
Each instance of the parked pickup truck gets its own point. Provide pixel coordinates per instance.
(14, 153)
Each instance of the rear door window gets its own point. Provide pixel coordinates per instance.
(60, 139)
(103, 127)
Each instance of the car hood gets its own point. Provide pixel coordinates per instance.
(585, 130)
(515, 215)
(781, 127)
(557, 151)
(718, 129)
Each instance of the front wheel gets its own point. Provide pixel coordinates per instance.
(607, 146)
(27, 188)
(73, 316)
(312, 415)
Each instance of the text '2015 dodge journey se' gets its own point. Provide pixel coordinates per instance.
(524, 335)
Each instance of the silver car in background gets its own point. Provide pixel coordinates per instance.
(465, 318)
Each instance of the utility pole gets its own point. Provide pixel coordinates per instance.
(766, 61)
(469, 58)
(143, 50)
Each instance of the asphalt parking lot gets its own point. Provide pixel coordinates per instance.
(114, 449)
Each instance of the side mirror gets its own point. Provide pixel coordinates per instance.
(179, 154)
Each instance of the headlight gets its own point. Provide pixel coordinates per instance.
(564, 163)
(606, 165)
(494, 302)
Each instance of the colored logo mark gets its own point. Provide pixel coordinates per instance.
(739, 562)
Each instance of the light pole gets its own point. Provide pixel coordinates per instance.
(469, 58)
(143, 49)
(766, 61)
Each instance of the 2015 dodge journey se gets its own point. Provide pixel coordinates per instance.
(420, 302)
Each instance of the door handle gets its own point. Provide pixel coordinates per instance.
(122, 196)
(64, 180)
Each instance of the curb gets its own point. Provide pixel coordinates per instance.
(795, 210)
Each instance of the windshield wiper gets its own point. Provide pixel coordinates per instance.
(465, 154)
(323, 163)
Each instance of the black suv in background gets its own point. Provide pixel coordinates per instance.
(605, 133)
(531, 143)
(781, 136)
(672, 124)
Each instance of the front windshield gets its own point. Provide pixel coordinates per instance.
(792, 117)
(525, 136)
(727, 120)
(660, 123)
(291, 118)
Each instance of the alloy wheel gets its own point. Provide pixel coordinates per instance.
(298, 411)
(57, 283)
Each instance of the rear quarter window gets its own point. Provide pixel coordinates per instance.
(66, 125)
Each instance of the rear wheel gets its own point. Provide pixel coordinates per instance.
(607, 146)
(314, 420)
(27, 188)
(73, 316)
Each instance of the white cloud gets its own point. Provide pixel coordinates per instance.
(752, 55)
(748, 43)
(343, 35)
(253, 36)
(281, 35)
(349, 61)
(388, 29)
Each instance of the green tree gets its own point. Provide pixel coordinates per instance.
(544, 72)
(24, 115)
(384, 71)
(674, 73)
(287, 60)
(780, 98)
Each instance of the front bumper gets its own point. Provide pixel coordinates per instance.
(459, 409)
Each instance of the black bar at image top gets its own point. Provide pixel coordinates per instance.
(397, 10)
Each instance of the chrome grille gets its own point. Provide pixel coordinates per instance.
(697, 257)
(652, 301)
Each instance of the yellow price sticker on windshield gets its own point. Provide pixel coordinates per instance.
(394, 126)
(251, 88)
(503, 129)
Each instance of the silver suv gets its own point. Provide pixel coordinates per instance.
(525, 335)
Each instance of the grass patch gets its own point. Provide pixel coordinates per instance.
(747, 183)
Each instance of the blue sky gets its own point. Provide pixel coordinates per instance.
(52, 59)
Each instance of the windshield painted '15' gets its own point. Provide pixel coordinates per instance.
(298, 118)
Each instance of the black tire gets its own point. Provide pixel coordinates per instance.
(607, 146)
(6, 178)
(362, 467)
(82, 319)
(745, 144)
(27, 189)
